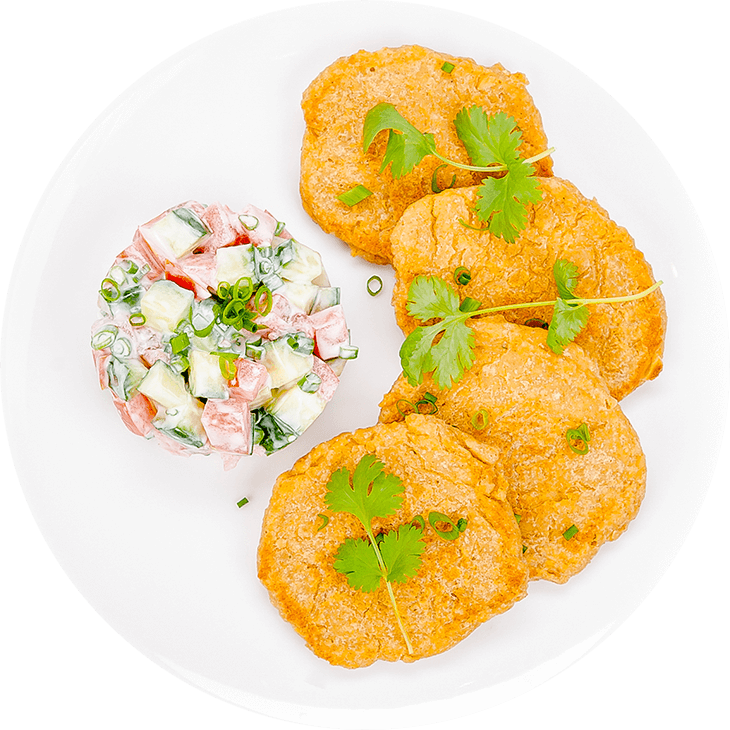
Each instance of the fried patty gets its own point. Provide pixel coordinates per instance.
(460, 584)
(530, 398)
(626, 339)
(411, 78)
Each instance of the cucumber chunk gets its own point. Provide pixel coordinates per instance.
(164, 386)
(164, 304)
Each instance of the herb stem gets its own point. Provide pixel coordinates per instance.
(496, 167)
(384, 571)
(573, 302)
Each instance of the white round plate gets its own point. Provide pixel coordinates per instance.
(156, 543)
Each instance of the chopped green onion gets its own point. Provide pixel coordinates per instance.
(310, 383)
(374, 290)
(280, 226)
(301, 343)
(355, 195)
(524, 549)
(406, 403)
(325, 521)
(242, 502)
(418, 522)
(137, 319)
(243, 288)
(122, 347)
(435, 187)
(250, 222)
(435, 518)
(110, 290)
(179, 343)
(227, 364)
(461, 524)
(253, 351)
(447, 67)
(348, 352)
(518, 518)
(570, 532)
(480, 419)
(428, 400)
(581, 435)
(462, 275)
(263, 301)
(104, 338)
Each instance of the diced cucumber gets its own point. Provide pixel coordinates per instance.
(296, 408)
(283, 363)
(300, 295)
(176, 234)
(326, 297)
(164, 304)
(234, 262)
(206, 378)
(163, 385)
(304, 267)
(183, 423)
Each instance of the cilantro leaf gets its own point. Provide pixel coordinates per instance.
(373, 493)
(568, 319)
(565, 274)
(501, 201)
(357, 560)
(488, 140)
(447, 358)
(452, 354)
(407, 146)
(566, 324)
(429, 297)
(401, 550)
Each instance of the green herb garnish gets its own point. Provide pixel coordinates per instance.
(571, 532)
(447, 67)
(242, 502)
(393, 557)
(492, 144)
(578, 439)
(447, 357)
(374, 285)
(355, 195)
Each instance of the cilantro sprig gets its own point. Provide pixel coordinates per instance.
(394, 556)
(492, 143)
(446, 348)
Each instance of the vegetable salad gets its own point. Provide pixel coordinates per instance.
(220, 332)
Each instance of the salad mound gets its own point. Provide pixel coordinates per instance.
(218, 331)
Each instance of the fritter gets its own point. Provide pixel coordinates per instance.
(626, 339)
(525, 399)
(411, 78)
(461, 583)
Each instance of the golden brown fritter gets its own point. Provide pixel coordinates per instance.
(533, 397)
(410, 78)
(626, 339)
(460, 584)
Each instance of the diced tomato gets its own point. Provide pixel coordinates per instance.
(140, 252)
(330, 331)
(228, 423)
(251, 376)
(225, 227)
(200, 268)
(137, 413)
(101, 358)
(330, 381)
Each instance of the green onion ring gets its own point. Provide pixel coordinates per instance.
(325, 521)
(265, 292)
(227, 365)
(408, 403)
(378, 283)
(245, 282)
(435, 517)
(110, 294)
(223, 291)
(581, 435)
(480, 419)
(462, 275)
(418, 522)
(137, 319)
